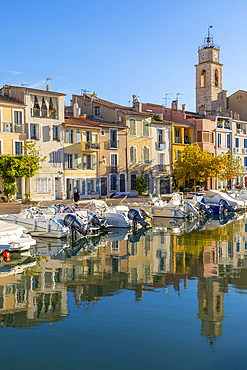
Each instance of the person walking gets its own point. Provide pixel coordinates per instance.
(76, 196)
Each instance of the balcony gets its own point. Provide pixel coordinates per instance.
(178, 140)
(43, 113)
(113, 144)
(113, 169)
(161, 145)
(12, 127)
(88, 146)
(187, 140)
(162, 168)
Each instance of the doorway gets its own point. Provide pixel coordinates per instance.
(103, 186)
(122, 183)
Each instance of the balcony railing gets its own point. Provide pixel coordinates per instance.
(113, 144)
(43, 113)
(90, 146)
(187, 140)
(12, 127)
(113, 169)
(162, 168)
(178, 140)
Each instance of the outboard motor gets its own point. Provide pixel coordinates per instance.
(135, 216)
(95, 221)
(204, 207)
(227, 205)
(75, 223)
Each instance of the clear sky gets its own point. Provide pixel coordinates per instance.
(119, 48)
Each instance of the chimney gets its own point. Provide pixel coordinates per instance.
(175, 104)
(183, 108)
(75, 110)
(48, 88)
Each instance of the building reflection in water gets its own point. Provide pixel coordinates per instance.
(164, 257)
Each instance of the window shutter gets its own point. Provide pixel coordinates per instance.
(84, 161)
(97, 185)
(134, 155)
(74, 184)
(88, 186)
(51, 132)
(76, 161)
(66, 161)
(49, 185)
(94, 161)
(83, 188)
(111, 182)
(131, 154)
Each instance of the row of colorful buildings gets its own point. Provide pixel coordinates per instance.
(100, 147)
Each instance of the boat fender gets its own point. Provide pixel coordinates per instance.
(6, 256)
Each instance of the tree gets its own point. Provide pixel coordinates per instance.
(231, 167)
(31, 160)
(13, 167)
(193, 164)
(141, 183)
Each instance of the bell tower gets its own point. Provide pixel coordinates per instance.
(209, 78)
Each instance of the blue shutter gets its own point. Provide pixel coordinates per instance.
(116, 183)
(88, 186)
(97, 185)
(76, 161)
(245, 161)
(66, 161)
(84, 161)
(94, 161)
(245, 143)
(237, 142)
(111, 181)
(83, 187)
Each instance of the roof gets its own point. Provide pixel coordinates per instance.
(29, 89)
(106, 103)
(8, 100)
(92, 122)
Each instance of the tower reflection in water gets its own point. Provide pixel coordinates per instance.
(35, 290)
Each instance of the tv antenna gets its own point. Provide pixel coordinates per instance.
(166, 98)
(23, 84)
(84, 91)
(177, 96)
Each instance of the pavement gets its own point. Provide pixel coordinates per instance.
(17, 206)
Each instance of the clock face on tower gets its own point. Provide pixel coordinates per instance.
(203, 55)
(215, 55)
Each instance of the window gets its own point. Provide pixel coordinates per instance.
(113, 182)
(70, 161)
(18, 147)
(219, 140)
(69, 136)
(161, 136)
(205, 137)
(55, 133)
(132, 126)
(102, 132)
(199, 136)
(245, 143)
(18, 118)
(145, 152)
(34, 131)
(88, 161)
(145, 128)
(43, 185)
(76, 161)
(178, 139)
(55, 158)
(113, 162)
(228, 141)
(203, 78)
(89, 136)
(237, 142)
(133, 154)
(113, 139)
(78, 136)
(245, 161)
(97, 111)
(216, 77)
(133, 182)
(147, 178)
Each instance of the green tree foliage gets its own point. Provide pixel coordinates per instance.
(13, 167)
(231, 167)
(193, 164)
(141, 183)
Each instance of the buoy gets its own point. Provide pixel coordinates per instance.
(6, 256)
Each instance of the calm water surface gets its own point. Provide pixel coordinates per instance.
(171, 298)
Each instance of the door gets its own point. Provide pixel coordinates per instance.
(122, 183)
(57, 190)
(103, 186)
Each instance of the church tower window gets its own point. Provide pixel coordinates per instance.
(216, 78)
(203, 78)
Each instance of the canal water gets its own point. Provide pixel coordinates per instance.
(174, 297)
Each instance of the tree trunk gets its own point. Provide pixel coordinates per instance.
(194, 185)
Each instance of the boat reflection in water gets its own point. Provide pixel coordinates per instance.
(168, 256)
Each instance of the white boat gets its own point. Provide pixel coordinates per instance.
(37, 223)
(237, 194)
(14, 238)
(170, 205)
(114, 216)
(218, 197)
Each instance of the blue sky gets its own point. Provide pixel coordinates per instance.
(120, 48)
